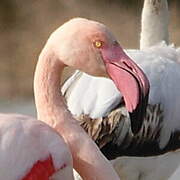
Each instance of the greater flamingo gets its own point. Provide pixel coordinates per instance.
(91, 47)
(41, 152)
(107, 121)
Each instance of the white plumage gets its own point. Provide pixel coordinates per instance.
(176, 174)
(148, 168)
(24, 141)
(98, 96)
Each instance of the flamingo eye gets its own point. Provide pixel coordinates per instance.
(98, 44)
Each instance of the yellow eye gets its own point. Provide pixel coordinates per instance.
(98, 44)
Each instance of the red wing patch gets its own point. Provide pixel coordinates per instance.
(41, 170)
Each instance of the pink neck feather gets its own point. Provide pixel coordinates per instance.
(88, 160)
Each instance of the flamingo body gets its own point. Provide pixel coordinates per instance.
(147, 168)
(99, 97)
(160, 63)
(100, 108)
(31, 150)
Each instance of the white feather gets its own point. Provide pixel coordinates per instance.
(87, 96)
(24, 141)
(176, 174)
(97, 96)
(147, 168)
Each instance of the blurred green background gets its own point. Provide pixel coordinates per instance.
(26, 25)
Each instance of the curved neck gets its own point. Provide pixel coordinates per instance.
(88, 160)
(154, 22)
(49, 102)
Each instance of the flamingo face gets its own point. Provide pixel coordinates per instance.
(90, 47)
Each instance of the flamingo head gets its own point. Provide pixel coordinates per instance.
(90, 47)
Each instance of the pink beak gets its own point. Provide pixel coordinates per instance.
(131, 82)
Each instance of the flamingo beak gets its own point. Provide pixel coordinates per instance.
(131, 82)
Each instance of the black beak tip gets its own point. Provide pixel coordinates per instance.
(136, 122)
(138, 115)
